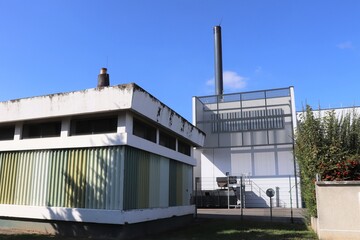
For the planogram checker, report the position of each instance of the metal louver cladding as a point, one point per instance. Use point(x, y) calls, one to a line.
point(136, 179)
point(154, 181)
point(112, 178)
point(74, 178)
point(180, 181)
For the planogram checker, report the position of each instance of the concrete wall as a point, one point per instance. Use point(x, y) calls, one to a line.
point(100, 100)
point(338, 206)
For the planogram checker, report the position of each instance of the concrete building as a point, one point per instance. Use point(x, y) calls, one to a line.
point(249, 136)
point(340, 112)
point(109, 155)
point(249, 145)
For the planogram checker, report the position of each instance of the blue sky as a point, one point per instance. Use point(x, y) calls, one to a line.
point(166, 47)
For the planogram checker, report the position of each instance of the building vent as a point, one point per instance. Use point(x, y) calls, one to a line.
point(103, 78)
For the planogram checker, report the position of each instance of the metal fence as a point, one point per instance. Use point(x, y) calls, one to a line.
point(247, 198)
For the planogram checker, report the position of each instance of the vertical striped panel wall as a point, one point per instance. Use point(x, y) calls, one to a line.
point(180, 180)
point(153, 181)
point(76, 178)
point(93, 178)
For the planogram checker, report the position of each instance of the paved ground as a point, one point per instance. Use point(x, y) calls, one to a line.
point(256, 214)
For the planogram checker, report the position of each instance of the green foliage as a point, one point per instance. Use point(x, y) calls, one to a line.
point(328, 146)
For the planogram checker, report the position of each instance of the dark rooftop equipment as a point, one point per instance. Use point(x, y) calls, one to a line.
point(103, 78)
point(218, 61)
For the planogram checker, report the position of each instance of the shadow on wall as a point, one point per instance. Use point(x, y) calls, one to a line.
point(85, 179)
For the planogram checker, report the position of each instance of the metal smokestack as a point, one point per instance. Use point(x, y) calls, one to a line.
point(218, 62)
point(103, 78)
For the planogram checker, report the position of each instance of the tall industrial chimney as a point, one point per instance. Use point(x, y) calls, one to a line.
point(218, 62)
point(103, 78)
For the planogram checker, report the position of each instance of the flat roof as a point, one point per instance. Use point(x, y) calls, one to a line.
point(129, 97)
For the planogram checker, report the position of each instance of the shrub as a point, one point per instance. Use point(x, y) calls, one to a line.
point(328, 146)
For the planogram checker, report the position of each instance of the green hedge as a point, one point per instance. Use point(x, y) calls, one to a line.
point(329, 146)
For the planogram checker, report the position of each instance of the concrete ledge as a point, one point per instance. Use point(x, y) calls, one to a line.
point(338, 183)
point(101, 216)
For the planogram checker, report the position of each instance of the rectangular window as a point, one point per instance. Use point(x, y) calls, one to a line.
point(7, 133)
point(167, 140)
point(41, 130)
point(184, 148)
point(143, 130)
point(90, 126)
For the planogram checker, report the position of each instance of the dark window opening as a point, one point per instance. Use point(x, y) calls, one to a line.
point(144, 130)
point(167, 140)
point(184, 148)
point(7, 133)
point(94, 126)
point(42, 130)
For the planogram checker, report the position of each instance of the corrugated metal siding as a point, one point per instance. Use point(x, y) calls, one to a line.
point(164, 182)
point(154, 181)
point(136, 179)
point(172, 183)
point(76, 178)
point(180, 183)
point(56, 195)
point(8, 185)
point(96, 178)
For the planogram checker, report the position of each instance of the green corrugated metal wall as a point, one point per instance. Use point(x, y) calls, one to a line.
point(92, 178)
point(153, 181)
point(180, 180)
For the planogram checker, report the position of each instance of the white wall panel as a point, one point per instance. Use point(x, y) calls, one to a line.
point(247, 138)
point(259, 137)
point(215, 163)
point(207, 169)
point(283, 183)
point(241, 164)
point(224, 139)
point(286, 163)
point(222, 161)
point(236, 138)
point(264, 163)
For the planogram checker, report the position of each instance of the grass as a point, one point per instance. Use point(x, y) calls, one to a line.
point(235, 229)
point(211, 229)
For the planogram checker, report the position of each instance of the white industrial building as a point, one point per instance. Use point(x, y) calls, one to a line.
point(249, 145)
point(108, 155)
point(250, 137)
point(339, 112)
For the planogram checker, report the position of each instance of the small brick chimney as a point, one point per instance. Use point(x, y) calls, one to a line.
point(103, 78)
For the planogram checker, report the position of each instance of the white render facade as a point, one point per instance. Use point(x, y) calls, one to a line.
point(111, 155)
point(250, 136)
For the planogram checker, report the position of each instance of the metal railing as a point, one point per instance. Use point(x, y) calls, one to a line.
point(245, 191)
point(247, 196)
